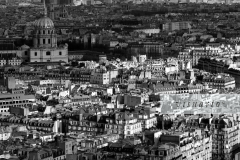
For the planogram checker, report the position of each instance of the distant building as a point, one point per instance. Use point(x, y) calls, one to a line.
point(152, 50)
point(59, 2)
point(5, 133)
point(100, 77)
point(223, 127)
point(11, 82)
point(14, 100)
point(142, 58)
point(21, 111)
point(172, 26)
point(58, 12)
point(220, 81)
point(43, 153)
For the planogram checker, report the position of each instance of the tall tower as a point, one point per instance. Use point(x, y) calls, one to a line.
point(64, 13)
point(52, 11)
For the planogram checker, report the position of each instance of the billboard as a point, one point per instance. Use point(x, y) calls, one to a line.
point(200, 103)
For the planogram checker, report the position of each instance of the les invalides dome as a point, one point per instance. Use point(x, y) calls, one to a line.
point(44, 22)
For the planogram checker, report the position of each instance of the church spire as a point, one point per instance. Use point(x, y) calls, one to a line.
point(45, 8)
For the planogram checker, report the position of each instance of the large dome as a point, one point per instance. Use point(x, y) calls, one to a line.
point(44, 23)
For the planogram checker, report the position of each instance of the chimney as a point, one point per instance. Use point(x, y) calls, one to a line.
point(162, 122)
point(98, 117)
point(80, 117)
point(143, 137)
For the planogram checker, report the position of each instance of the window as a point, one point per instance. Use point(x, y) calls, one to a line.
point(49, 41)
point(48, 53)
point(25, 53)
point(60, 53)
point(43, 32)
point(43, 41)
point(35, 53)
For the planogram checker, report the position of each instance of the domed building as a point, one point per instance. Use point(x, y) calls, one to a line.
point(45, 42)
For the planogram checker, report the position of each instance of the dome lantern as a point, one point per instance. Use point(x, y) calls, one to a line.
point(44, 22)
point(45, 9)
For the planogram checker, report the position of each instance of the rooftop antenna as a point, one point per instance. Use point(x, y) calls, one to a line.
point(45, 8)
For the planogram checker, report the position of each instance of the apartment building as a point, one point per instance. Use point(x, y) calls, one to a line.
point(214, 65)
point(195, 53)
point(133, 100)
point(5, 133)
point(99, 142)
point(100, 76)
point(126, 124)
point(81, 75)
point(173, 88)
point(163, 151)
point(48, 82)
point(14, 61)
point(14, 100)
point(146, 115)
point(81, 100)
point(3, 62)
point(225, 135)
point(21, 111)
point(152, 50)
point(82, 123)
point(43, 154)
point(220, 81)
point(173, 26)
point(193, 145)
point(45, 125)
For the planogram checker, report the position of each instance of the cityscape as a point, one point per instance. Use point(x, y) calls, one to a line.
point(119, 80)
